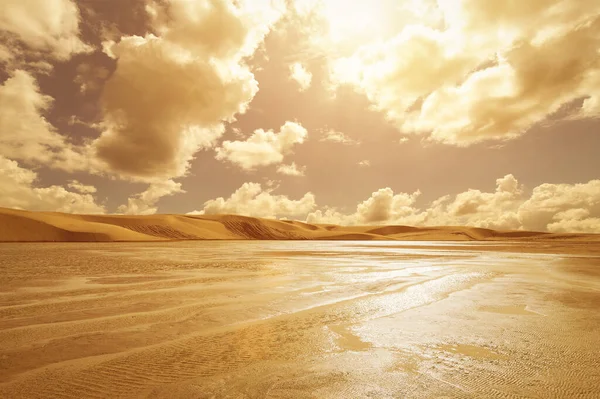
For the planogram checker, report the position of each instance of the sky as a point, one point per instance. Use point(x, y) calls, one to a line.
point(433, 112)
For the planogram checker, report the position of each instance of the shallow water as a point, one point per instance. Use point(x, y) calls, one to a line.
point(277, 319)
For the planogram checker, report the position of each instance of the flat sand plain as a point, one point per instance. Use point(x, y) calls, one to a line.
point(300, 319)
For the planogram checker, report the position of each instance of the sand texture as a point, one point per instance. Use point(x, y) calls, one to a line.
point(283, 319)
point(26, 226)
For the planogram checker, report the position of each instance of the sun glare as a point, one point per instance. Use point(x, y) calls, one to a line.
point(349, 20)
point(353, 22)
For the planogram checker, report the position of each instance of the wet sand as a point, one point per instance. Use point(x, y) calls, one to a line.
point(280, 319)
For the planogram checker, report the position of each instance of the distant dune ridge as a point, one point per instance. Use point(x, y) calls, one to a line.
point(27, 226)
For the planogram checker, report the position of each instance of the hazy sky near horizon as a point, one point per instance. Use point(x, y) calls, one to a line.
point(433, 112)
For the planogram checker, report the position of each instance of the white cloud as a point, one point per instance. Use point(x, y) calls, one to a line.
point(334, 136)
point(490, 71)
point(26, 134)
point(365, 163)
point(82, 188)
point(396, 73)
point(18, 188)
point(252, 200)
point(496, 210)
point(329, 215)
point(171, 93)
point(574, 221)
point(550, 207)
point(300, 75)
point(382, 207)
point(47, 26)
point(291, 169)
point(263, 148)
point(561, 206)
point(144, 203)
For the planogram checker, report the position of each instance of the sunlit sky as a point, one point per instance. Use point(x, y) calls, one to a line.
point(434, 112)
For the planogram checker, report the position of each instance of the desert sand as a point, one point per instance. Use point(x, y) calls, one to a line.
point(296, 319)
point(177, 306)
point(26, 226)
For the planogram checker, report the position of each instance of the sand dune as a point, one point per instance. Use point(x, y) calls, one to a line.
point(27, 226)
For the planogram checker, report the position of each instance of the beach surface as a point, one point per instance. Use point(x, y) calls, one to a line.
point(300, 319)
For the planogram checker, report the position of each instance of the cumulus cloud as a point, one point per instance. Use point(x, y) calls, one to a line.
point(252, 200)
point(550, 207)
point(496, 210)
point(574, 221)
point(171, 92)
point(382, 207)
point(329, 215)
point(563, 207)
point(529, 82)
point(300, 75)
point(26, 134)
point(18, 188)
point(145, 202)
point(50, 27)
point(263, 147)
point(334, 136)
point(82, 188)
point(365, 163)
point(488, 72)
point(291, 169)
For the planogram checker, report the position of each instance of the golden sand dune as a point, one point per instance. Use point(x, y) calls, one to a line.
point(26, 226)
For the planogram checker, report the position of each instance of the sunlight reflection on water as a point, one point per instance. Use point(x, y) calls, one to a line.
point(271, 312)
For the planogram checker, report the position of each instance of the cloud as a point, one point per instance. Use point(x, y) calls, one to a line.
point(50, 27)
point(496, 210)
point(5, 54)
point(300, 75)
point(396, 73)
point(563, 207)
point(263, 148)
point(365, 163)
point(550, 207)
point(291, 169)
point(80, 187)
point(252, 200)
point(26, 134)
point(329, 215)
point(488, 72)
point(529, 82)
point(334, 136)
point(171, 92)
point(18, 188)
point(90, 77)
point(144, 203)
point(382, 207)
